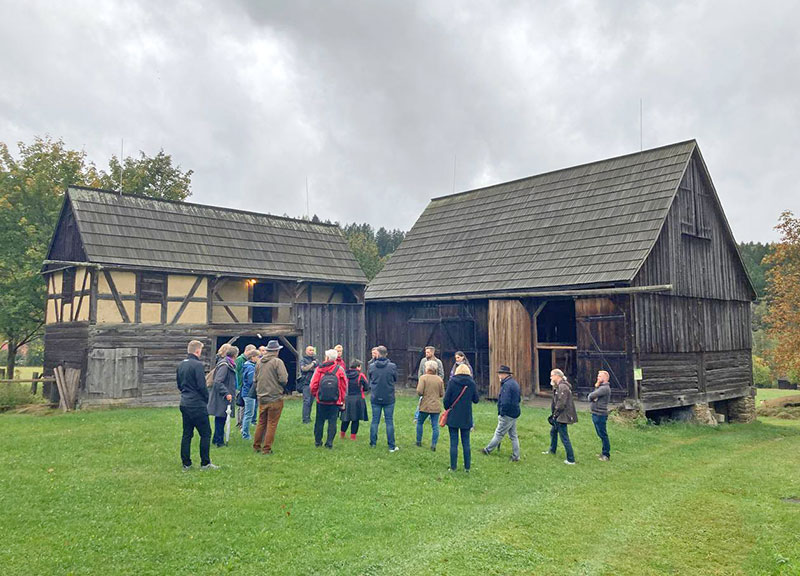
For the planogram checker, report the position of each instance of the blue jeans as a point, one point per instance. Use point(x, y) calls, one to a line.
point(560, 429)
point(434, 426)
point(464, 445)
point(600, 421)
point(247, 419)
point(308, 400)
point(388, 411)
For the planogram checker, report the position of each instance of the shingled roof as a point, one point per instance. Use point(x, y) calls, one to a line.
point(592, 224)
point(145, 233)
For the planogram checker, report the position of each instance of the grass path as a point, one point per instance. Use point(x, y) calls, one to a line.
point(102, 492)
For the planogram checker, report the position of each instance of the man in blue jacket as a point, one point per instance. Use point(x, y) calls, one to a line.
point(507, 413)
point(194, 406)
point(382, 377)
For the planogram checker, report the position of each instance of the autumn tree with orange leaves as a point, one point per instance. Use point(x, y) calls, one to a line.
point(783, 281)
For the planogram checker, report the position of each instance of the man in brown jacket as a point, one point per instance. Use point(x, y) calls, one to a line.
point(431, 391)
point(563, 414)
point(271, 379)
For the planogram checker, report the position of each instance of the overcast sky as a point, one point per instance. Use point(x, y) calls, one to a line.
point(372, 102)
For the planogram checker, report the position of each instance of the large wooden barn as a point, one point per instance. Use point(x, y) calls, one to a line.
point(626, 264)
point(131, 280)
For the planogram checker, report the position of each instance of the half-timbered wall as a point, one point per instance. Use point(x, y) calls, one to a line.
point(75, 304)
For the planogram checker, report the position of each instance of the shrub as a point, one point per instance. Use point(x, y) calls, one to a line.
point(13, 395)
point(762, 375)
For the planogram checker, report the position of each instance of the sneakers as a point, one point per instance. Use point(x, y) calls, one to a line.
point(484, 451)
point(209, 466)
point(433, 448)
point(548, 452)
point(603, 458)
point(514, 459)
point(187, 468)
point(568, 462)
point(419, 443)
point(395, 449)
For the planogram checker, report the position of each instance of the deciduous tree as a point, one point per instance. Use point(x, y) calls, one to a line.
point(783, 288)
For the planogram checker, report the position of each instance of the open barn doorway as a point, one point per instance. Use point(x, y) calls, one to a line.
point(555, 341)
point(285, 354)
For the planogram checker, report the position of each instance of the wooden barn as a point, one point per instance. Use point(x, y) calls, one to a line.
point(131, 280)
point(626, 264)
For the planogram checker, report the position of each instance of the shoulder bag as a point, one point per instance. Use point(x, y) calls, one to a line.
point(443, 416)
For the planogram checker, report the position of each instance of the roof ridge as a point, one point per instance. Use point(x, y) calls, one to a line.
point(566, 168)
point(208, 206)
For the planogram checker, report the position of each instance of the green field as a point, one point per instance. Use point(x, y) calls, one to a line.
point(103, 493)
point(767, 393)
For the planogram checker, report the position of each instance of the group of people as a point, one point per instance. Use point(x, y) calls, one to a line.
point(256, 381)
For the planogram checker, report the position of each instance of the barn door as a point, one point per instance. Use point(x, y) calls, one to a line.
point(113, 373)
point(509, 343)
point(447, 327)
point(601, 326)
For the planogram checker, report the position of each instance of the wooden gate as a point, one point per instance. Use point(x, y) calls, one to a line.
point(509, 343)
point(113, 373)
point(602, 345)
point(447, 327)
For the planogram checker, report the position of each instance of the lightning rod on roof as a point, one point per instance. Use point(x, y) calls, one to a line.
point(641, 139)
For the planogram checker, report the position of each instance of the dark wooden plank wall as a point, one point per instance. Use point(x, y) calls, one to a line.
point(667, 324)
point(326, 325)
point(602, 327)
point(66, 240)
point(64, 344)
point(402, 328)
point(696, 266)
point(160, 348)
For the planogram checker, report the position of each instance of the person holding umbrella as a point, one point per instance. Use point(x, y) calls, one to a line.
point(221, 395)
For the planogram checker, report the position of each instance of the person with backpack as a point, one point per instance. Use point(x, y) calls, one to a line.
point(329, 387)
point(221, 395)
point(355, 408)
point(382, 377)
point(270, 382)
point(460, 395)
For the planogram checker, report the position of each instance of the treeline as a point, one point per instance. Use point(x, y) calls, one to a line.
point(371, 248)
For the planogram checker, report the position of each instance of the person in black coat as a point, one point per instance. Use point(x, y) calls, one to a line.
point(382, 378)
point(194, 400)
point(459, 419)
point(507, 413)
point(355, 407)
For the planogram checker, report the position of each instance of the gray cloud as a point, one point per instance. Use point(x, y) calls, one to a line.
point(372, 101)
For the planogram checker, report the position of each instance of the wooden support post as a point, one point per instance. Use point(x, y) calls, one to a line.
point(535, 340)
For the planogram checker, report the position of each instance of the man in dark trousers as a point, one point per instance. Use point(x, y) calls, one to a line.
point(563, 415)
point(308, 363)
point(329, 387)
point(507, 413)
point(599, 405)
point(194, 407)
point(382, 377)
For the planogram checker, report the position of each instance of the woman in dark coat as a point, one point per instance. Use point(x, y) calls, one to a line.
point(459, 419)
point(222, 393)
point(355, 408)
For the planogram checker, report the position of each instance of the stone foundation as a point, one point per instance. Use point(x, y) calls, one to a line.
point(704, 414)
point(742, 409)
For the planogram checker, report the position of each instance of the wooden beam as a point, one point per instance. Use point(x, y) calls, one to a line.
point(186, 300)
point(289, 346)
point(83, 291)
point(253, 304)
point(120, 306)
point(93, 298)
point(137, 300)
point(228, 310)
point(542, 294)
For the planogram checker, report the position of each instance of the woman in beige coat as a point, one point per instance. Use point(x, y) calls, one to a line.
point(431, 390)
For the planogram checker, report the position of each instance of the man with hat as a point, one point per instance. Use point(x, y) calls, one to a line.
point(271, 379)
point(507, 413)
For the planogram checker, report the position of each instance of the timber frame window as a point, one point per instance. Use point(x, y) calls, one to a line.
point(68, 283)
point(152, 287)
point(693, 213)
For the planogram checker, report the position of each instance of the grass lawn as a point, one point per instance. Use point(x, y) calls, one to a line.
point(103, 493)
point(767, 393)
